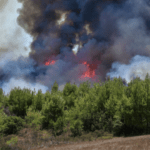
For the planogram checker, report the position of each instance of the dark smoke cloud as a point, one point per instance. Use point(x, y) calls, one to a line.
point(118, 30)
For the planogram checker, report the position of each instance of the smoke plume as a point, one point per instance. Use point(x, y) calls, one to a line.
point(111, 37)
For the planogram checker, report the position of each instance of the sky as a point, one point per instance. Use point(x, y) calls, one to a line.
point(112, 37)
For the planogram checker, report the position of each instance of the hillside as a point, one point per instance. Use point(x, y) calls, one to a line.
point(81, 113)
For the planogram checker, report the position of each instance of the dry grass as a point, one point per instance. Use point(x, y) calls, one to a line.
point(129, 143)
point(31, 139)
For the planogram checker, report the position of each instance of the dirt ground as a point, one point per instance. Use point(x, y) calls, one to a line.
point(119, 143)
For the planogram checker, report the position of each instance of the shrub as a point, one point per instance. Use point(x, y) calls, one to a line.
point(33, 117)
point(76, 127)
point(12, 141)
point(11, 125)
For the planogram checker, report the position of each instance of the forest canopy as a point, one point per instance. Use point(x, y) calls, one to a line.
point(110, 106)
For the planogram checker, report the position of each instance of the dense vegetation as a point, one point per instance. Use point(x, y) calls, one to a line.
point(111, 106)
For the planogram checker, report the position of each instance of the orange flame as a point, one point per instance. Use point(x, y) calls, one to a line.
point(49, 62)
point(90, 73)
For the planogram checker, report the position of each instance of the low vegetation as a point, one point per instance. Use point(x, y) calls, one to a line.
point(79, 113)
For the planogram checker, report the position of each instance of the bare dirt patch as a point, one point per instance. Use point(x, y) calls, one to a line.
point(119, 143)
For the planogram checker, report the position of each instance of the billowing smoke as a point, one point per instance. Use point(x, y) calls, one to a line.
point(111, 37)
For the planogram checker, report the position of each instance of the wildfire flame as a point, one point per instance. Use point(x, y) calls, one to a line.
point(49, 62)
point(90, 73)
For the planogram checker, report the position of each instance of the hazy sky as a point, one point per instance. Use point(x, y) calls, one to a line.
point(14, 42)
point(13, 38)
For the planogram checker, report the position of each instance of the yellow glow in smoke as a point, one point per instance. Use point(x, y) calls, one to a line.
point(77, 46)
point(87, 29)
point(75, 49)
point(62, 19)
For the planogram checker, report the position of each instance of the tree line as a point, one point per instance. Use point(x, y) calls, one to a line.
point(111, 107)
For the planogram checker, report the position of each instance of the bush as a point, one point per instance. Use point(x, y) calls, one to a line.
point(11, 125)
point(76, 127)
point(12, 141)
point(33, 117)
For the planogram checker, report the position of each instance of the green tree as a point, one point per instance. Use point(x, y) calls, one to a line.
point(3, 98)
point(111, 106)
point(34, 118)
point(137, 99)
point(91, 114)
point(147, 101)
point(74, 117)
point(53, 112)
point(84, 88)
point(54, 88)
point(38, 101)
point(101, 119)
point(47, 96)
point(101, 97)
point(134, 112)
point(28, 96)
point(110, 95)
point(70, 93)
point(1, 95)
point(17, 103)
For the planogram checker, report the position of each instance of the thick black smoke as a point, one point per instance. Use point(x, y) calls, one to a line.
point(108, 31)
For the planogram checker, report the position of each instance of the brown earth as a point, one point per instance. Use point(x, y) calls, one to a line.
point(30, 139)
point(128, 143)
